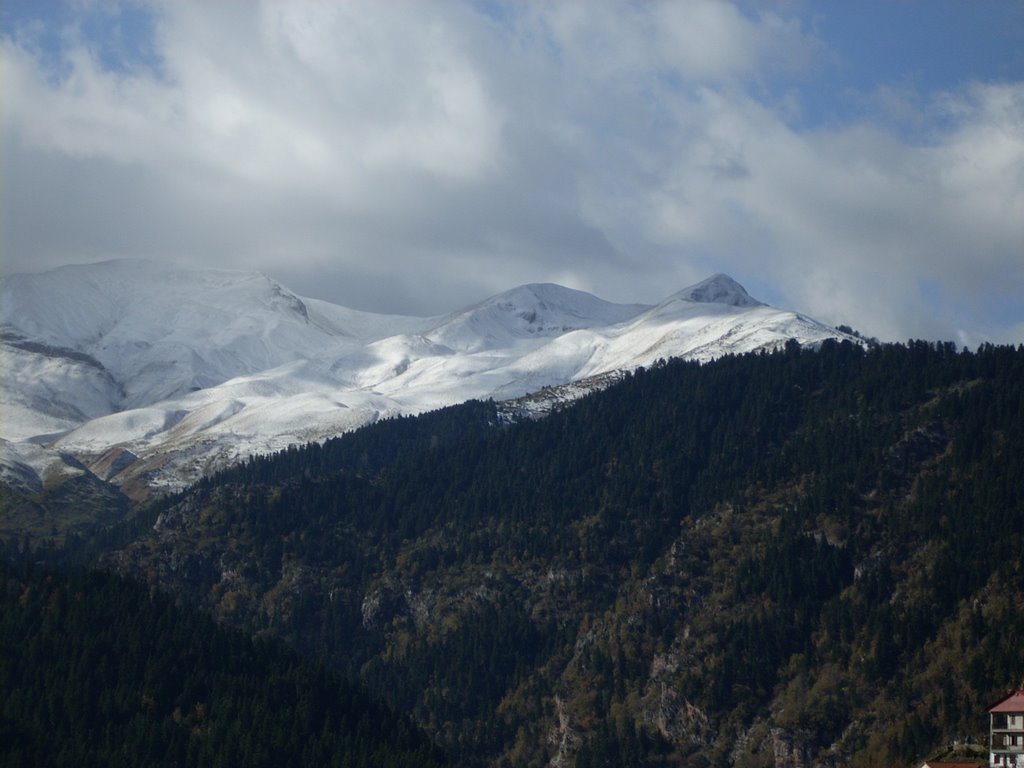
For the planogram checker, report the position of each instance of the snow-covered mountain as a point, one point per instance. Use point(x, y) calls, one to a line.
point(153, 375)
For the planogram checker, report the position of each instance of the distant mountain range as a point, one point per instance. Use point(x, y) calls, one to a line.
point(150, 376)
point(809, 557)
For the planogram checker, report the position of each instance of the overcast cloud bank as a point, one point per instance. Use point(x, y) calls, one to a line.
point(415, 157)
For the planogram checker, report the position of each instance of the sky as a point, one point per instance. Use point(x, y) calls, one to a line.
point(860, 162)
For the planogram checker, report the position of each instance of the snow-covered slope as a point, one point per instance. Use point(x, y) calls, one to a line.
point(157, 375)
point(161, 331)
point(529, 312)
point(26, 467)
point(47, 390)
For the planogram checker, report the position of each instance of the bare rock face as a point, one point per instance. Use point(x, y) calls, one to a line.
point(563, 738)
point(679, 720)
point(670, 713)
point(791, 749)
point(381, 604)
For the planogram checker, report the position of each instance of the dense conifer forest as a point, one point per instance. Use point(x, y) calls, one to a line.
point(800, 556)
point(99, 671)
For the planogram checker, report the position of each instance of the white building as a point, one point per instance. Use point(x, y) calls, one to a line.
point(1006, 732)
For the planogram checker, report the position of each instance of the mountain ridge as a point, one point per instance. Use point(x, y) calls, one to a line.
point(719, 289)
point(201, 368)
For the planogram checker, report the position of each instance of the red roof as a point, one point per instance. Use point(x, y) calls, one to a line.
point(1012, 703)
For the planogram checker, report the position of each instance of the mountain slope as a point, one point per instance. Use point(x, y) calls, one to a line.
point(49, 390)
point(45, 494)
point(189, 371)
point(795, 558)
point(97, 671)
point(538, 311)
point(163, 331)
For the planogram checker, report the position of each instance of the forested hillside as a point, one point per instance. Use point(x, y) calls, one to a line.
point(98, 671)
point(807, 557)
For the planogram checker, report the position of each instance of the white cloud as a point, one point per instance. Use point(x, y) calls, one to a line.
point(855, 219)
point(432, 153)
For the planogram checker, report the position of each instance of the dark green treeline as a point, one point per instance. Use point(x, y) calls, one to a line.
point(99, 671)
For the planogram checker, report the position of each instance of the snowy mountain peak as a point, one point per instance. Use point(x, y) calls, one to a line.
point(544, 293)
point(538, 301)
point(87, 304)
point(160, 330)
point(719, 289)
point(151, 374)
point(535, 310)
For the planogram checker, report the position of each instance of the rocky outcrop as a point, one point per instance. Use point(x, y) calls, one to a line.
point(563, 737)
point(791, 748)
point(668, 711)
